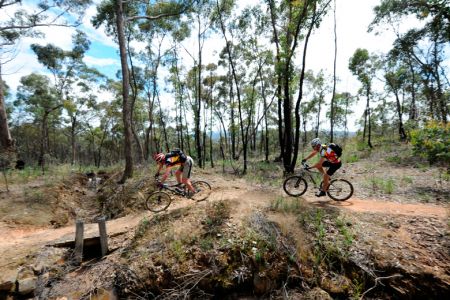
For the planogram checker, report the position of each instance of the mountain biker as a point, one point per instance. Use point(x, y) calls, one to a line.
point(174, 158)
point(328, 159)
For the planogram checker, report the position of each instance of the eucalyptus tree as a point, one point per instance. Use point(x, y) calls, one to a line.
point(210, 82)
point(396, 77)
point(319, 88)
point(80, 103)
point(18, 22)
point(202, 20)
point(364, 66)
point(66, 67)
point(118, 16)
point(181, 94)
point(332, 103)
point(292, 21)
point(341, 110)
point(39, 99)
point(422, 46)
point(246, 59)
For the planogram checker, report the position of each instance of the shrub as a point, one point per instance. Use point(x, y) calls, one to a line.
point(432, 142)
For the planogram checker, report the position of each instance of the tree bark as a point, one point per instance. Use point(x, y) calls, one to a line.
point(279, 80)
point(126, 105)
point(6, 142)
point(198, 106)
point(334, 78)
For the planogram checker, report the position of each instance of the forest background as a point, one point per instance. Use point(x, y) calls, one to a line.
point(253, 96)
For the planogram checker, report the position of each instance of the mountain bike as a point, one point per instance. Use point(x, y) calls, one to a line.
point(296, 185)
point(160, 199)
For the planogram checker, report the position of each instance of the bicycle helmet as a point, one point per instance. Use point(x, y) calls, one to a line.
point(315, 142)
point(159, 157)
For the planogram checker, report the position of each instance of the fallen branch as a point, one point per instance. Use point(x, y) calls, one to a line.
point(378, 279)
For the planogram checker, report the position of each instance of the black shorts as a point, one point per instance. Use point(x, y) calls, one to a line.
point(332, 168)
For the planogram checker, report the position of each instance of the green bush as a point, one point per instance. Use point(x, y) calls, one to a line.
point(432, 142)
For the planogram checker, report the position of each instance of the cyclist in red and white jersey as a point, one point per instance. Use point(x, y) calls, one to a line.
point(328, 159)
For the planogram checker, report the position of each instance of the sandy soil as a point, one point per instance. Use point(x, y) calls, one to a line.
point(19, 241)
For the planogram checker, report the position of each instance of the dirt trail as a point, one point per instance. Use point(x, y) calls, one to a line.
point(17, 243)
point(384, 207)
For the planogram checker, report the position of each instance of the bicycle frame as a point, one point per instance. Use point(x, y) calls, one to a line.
point(172, 189)
point(307, 173)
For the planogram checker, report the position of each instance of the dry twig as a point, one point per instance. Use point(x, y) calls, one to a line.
point(377, 280)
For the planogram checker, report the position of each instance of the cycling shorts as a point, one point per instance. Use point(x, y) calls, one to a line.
point(186, 167)
point(332, 168)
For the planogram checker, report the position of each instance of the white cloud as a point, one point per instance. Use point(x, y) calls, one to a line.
point(101, 62)
point(94, 34)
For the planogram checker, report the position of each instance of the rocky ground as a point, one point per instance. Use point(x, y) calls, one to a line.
point(248, 239)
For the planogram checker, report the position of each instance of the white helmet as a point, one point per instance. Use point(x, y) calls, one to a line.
point(315, 142)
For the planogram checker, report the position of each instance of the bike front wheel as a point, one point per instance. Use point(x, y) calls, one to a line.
point(295, 186)
point(339, 189)
point(158, 201)
point(202, 190)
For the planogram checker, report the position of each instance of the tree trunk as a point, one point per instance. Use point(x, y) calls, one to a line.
point(211, 133)
point(300, 93)
point(72, 139)
point(163, 125)
point(44, 141)
point(440, 95)
point(232, 116)
point(334, 78)
point(230, 60)
point(413, 108)
point(279, 80)
point(369, 133)
point(197, 112)
point(126, 105)
point(6, 142)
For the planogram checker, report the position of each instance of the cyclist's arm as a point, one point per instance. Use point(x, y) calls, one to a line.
point(318, 165)
point(166, 174)
point(314, 152)
point(160, 166)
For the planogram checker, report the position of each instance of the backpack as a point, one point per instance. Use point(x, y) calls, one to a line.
point(178, 152)
point(336, 148)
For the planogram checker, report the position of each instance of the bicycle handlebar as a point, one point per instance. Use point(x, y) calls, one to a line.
point(306, 166)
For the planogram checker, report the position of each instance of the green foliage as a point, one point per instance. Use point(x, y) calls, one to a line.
point(407, 180)
point(352, 158)
point(432, 142)
point(281, 204)
point(387, 186)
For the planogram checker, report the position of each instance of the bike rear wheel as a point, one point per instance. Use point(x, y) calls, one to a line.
point(295, 186)
point(339, 189)
point(158, 201)
point(202, 190)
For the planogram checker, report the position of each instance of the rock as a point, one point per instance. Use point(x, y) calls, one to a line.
point(317, 294)
point(26, 286)
point(336, 285)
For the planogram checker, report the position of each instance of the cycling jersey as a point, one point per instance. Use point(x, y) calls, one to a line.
point(329, 154)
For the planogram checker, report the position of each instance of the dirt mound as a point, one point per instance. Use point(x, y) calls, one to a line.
point(29, 203)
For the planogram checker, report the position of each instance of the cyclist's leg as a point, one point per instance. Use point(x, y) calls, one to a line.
point(178, 174)
point(321, 192)
point(332, 168)
point(187, 173)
